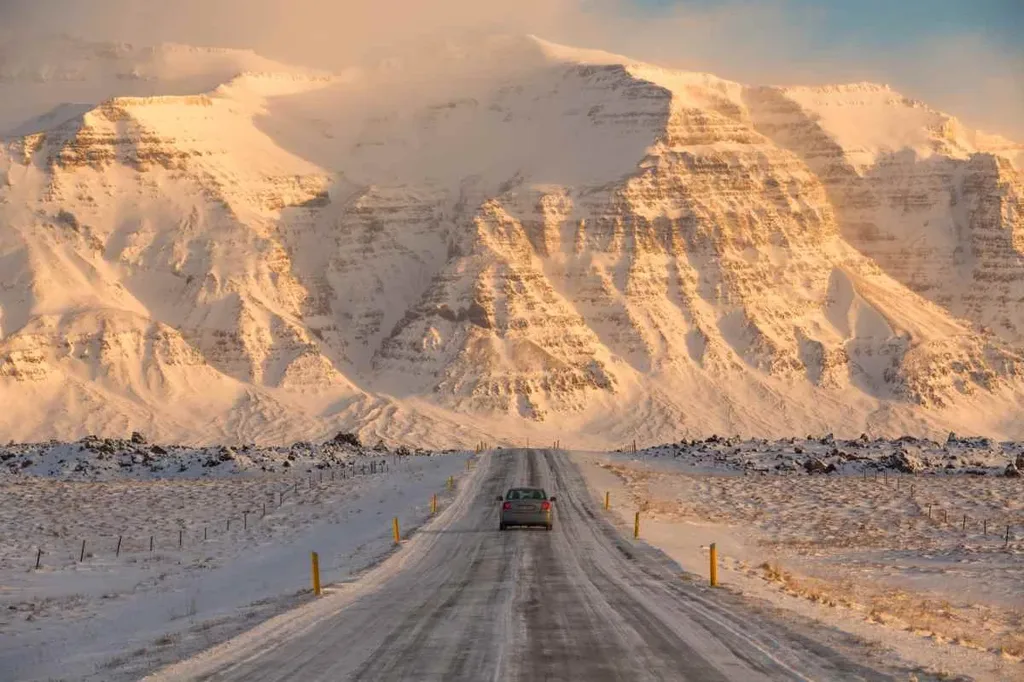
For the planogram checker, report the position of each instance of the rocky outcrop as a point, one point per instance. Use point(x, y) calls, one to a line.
point(904, 462)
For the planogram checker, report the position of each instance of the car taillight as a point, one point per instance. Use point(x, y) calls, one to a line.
point(545, 506)
point(507, 505)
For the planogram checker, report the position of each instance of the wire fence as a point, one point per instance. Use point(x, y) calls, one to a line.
point(264, 501)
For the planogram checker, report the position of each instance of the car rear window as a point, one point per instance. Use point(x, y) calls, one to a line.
point(526, 494)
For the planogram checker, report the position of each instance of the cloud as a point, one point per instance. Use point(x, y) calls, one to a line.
point(316, 32)
point(756, 41)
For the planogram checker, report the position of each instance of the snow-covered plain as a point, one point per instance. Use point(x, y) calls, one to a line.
point(112, 616)
point(917, 563)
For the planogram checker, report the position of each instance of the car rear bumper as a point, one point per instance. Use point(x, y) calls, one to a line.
point(526, 518)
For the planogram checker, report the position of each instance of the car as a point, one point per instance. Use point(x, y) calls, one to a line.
point(526, 507)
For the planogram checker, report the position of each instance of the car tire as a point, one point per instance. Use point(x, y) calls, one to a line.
point(501, 526)
point(550, 526)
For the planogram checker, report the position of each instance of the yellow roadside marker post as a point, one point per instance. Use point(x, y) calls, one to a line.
point(433, 505)
point(316, 573)
point(394, 527)
point(714, 565)
point(607, 500)
point(636, 526)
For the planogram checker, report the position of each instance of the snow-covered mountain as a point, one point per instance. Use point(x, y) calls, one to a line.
point(494, 240)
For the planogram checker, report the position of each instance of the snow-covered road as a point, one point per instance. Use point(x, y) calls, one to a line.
point(464, 601)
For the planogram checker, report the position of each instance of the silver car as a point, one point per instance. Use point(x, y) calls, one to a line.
point(526, 507)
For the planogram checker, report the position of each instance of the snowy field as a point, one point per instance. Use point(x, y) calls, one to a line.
point(230, 544)
point(920, 563)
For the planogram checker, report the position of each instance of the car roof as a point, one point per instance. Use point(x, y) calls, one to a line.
point(527, 490)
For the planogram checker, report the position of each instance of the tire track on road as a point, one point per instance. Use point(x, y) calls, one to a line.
point(466, 602)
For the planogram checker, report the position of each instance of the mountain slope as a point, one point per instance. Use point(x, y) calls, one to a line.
point(547, 241)
point(937, 206)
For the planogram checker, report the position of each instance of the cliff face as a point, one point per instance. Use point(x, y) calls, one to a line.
point(937, 206)
point(582, 242)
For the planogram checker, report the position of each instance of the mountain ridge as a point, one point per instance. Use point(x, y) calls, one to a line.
point(577, 241)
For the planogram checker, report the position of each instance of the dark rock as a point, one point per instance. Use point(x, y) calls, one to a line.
point(816, 466)
point(157, 450)
point(905, 462)
point(348, 439)
point(138, 438)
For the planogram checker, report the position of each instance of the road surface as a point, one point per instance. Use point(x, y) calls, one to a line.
point(464, 601)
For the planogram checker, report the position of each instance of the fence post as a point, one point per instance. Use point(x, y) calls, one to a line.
point(394, 528)
point(180, 533)
point(39, 556)
point(316, 573)
point(264, 509)
point(636, 525)
point(150, 543)
point(204, 533)
point(714, 565)
point(118, 551)
point(81, 556)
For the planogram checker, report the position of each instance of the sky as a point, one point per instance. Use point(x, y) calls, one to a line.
point(885, 24)
point(962, 56)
